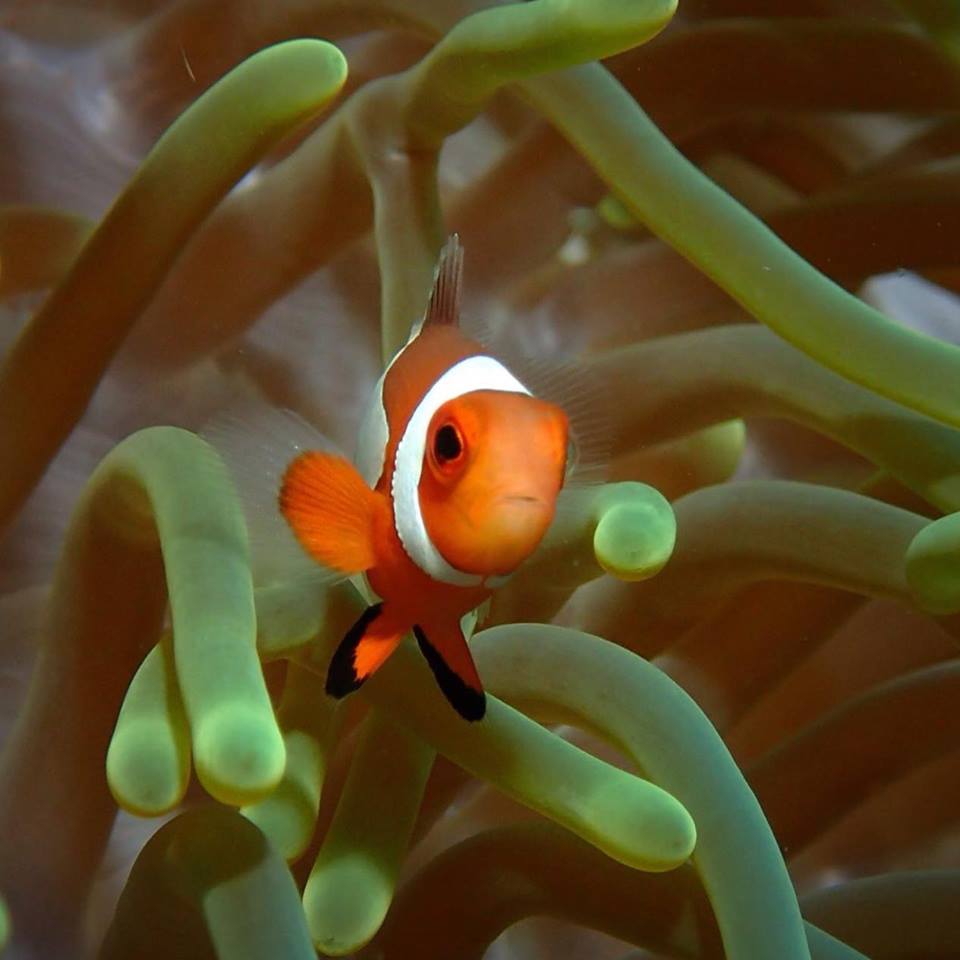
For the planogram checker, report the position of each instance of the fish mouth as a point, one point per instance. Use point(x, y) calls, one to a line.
point(503, 536)
point(523, 500)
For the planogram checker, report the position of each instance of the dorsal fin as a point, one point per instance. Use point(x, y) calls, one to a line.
point(444, 305)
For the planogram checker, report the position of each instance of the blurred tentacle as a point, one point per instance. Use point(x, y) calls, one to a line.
point(881, 641)
point(534, 181)
point(37, 247)
point(407, 223)
point(940, 21)
point(911, 216)
point(789, 8)
point(291, 614)
point(794, 150)
point(894, 916)
point(912, 219)
point(675, 467)
point(445, 783)
point(192, 31)
point(712, 71)
point(444, 92)
point(875, 739)
point(938, 140)
point(908, 825)
point(729, 660)
point(49, 375)
point(594, 306)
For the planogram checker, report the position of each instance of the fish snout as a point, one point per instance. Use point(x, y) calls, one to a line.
point(514, 529)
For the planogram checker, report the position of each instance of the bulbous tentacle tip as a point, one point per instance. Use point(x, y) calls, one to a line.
point(345, 904)
point(632, 23)
point(310, 56)
point(239, 754)
point(932, 566)
point(635, 535)
point(146, 773)
point(646, 827)
point(287, 819)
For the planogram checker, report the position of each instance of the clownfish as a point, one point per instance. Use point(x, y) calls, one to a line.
point(454, 485)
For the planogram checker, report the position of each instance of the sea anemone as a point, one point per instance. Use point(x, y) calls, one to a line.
point(720, 693)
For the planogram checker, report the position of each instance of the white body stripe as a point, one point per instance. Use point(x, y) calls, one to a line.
point(473, 373)
point(371, 451)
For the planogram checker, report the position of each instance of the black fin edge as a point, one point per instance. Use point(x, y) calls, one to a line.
point(342, 673)
point(471, 704)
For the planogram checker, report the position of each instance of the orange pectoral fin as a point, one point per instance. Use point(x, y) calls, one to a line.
point(364, 648)
point(448, 655)
point(331, 511)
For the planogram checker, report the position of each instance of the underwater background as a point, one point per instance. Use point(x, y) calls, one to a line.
point(723, 694)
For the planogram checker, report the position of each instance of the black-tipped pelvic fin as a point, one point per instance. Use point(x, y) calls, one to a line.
point(469, 702)
point(444, 305)
point(342, 677)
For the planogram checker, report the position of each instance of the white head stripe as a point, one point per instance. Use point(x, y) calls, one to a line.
point(467, 376)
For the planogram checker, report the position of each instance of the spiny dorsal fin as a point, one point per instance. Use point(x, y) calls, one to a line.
point(444, 305)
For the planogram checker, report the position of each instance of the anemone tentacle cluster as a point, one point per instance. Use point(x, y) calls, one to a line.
point(722, 695)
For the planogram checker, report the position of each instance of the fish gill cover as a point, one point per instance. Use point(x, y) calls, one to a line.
point(722, 696)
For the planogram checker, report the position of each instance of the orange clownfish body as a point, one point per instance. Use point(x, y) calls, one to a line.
point(457, 476)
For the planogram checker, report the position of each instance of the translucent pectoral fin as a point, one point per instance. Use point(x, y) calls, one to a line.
point(258, 444)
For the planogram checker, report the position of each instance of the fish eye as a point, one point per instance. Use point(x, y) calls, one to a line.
point(447, 444)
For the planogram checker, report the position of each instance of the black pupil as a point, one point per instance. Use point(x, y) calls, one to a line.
point(446, 444)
